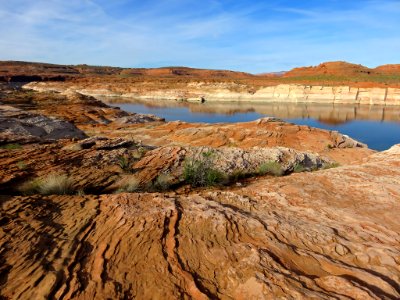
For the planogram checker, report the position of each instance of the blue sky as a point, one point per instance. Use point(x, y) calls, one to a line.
point(252, 36)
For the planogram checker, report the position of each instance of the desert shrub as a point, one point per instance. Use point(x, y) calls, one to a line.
point(298, 168)
point(30, 187)
point(11, 146)
point(22, 165)
point(200, 172)
point(53, 184)
point(124, 163)
point(139, 153)
point(163, 182)
point(128, 184)
point(270, 167)
point(73, 147)
point(81, 192)
point(238, 175)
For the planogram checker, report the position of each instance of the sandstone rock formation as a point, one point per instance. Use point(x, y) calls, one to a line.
point(332, 82)
point(235, 92)
point(313, 233)
point(337, 68)
point(262, 133)
point(275, 238)
point(98, 165)
point(72, 107)
point(17, 125)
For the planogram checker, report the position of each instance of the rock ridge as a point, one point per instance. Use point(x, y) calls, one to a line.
point(196, 91)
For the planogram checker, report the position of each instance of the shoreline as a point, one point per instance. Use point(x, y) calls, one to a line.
point(221, 92)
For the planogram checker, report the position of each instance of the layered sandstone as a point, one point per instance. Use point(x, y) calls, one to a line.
point(319, 235)
point(200, 91)
point(68, 106)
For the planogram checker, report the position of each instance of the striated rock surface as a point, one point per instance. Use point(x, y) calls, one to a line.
point(262, 133)
point(170, 161)
point(331, 234)
point(331, 82)
point(222, 91)
point(72, 107)
point(98, 165)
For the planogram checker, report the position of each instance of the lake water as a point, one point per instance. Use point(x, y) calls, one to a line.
point(376, 126)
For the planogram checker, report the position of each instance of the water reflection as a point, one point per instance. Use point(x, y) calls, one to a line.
point(376, 126)
point(325, 113)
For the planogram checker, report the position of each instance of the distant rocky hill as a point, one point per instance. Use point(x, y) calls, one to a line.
point(326, 74)
point(341, 68)
point(389, 69)
point(17, 71)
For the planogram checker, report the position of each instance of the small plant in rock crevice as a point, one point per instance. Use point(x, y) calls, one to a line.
point(298, 168)
point(139, 153)
point(270, 167)
point(11, 147)
point(22, 165)
point(200, 172)
point(128, 184)
point(163, 182)
point(53, 184)
point(124, 163)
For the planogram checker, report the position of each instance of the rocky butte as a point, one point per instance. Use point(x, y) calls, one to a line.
point(99, 203)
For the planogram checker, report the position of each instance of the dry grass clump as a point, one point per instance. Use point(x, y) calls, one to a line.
point(53, 184)
point(73, 147)
point(163, 182)
point(270, 167)
point(128, 184)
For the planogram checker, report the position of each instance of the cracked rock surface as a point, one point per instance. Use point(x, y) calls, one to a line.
point(281, 238)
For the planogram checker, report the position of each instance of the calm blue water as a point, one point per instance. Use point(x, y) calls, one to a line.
point(377, 134)
point(186, 115)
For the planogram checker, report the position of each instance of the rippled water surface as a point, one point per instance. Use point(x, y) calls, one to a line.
point(377, 126)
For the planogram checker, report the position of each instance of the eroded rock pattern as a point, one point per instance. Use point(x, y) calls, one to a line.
point(70, 106)
point(17, 125)
point(337, 238)
point(328, 234)
point(99, 164)
point(229, 91)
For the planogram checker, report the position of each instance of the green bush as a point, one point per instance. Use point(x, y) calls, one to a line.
point(200, 172)
point(298, 168)
point(124, 163)
point(238, 175)
point(271, 168)
point(11, 146)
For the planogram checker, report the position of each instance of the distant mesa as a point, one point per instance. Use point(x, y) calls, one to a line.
point(342, 68)
point(183, 72)
point(338, 72)
point(393, 69)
